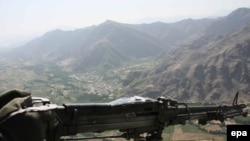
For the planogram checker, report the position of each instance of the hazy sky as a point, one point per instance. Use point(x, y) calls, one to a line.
point(26, 18)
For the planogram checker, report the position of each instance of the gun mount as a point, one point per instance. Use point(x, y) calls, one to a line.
point(132, 117)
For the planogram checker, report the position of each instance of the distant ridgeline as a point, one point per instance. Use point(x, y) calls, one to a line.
point(204, 59)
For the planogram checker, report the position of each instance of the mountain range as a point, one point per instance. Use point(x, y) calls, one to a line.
point(107, 45)
point(212, 65)
point(202, 59)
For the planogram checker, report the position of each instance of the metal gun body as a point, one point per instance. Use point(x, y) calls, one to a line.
point(133, 117)
point(136, 117)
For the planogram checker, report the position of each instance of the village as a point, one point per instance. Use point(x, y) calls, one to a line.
point(95, 84)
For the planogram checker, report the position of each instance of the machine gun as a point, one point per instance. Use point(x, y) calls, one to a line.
point(132, 117)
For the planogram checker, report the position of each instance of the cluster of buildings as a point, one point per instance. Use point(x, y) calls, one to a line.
point(92, 83)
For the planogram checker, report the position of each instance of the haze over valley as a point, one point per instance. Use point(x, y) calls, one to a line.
point(189, 60)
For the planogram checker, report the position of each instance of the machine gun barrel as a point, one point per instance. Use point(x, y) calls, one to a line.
point(133, 116)
point(204, 114)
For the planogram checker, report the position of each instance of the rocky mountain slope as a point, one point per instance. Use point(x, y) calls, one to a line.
point(213, 66)
point(230, 23)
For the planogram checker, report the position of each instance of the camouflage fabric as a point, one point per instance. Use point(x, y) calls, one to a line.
point(16, 124)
